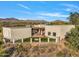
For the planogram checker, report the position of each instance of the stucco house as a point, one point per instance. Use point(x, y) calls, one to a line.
point(57, 32)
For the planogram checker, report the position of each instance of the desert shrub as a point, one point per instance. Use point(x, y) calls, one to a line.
point(4, 54)
point(0, 29)
point(35, 48)
point(64, 53)
point(61, 54)
point(73, 38)
point(9, 51)
point(1, 42)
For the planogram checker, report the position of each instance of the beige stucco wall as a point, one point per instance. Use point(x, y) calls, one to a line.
point(60, 30)
point(65, 29)
point(6, 32)
point(16, 32)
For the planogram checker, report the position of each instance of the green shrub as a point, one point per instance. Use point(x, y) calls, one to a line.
point(52, 40)
point(27, 40)
point(34, 39)
point(18, 41)
point(44, 39)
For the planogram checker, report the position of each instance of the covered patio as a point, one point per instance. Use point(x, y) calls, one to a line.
point(38, 32)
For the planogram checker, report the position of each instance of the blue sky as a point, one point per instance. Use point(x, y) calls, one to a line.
point(40, 10)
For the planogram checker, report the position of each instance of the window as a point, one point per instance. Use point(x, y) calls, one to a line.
point(54, 33)
point(49, 33)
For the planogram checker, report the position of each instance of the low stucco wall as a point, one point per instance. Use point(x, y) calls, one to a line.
point(60, 30)
point(16, 33)
point(6, 33)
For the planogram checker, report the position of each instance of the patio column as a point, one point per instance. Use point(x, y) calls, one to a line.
point(4, 41)
point(41, 32)
point(39, 40)
point(13, 41)
point(30, 40)
point(22, 40)
point(48, 40)
point(56, 40)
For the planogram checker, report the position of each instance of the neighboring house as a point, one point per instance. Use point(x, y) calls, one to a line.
point(57, 32)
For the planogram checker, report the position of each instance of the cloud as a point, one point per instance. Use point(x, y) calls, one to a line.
point(71, 7)
point(68, 9)
point(23, 6)
point(43, 2)
point(42, 17)
point(25, 12)
point(33, 18)
point(53, 14)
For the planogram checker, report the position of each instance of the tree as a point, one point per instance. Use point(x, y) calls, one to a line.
point(58, 22)
point(73, 38)
point(74, 18)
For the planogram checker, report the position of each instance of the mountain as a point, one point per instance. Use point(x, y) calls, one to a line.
point(14, 21)
point(8, 19)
